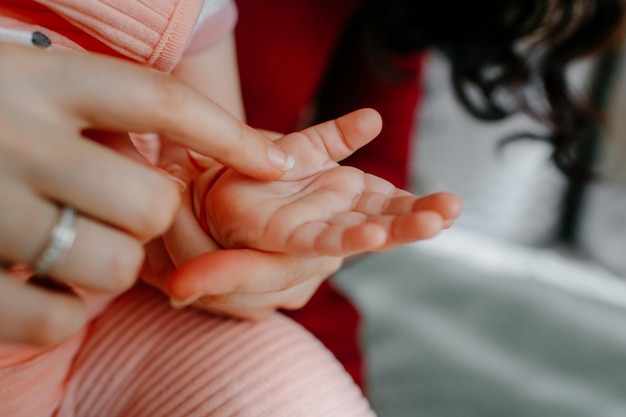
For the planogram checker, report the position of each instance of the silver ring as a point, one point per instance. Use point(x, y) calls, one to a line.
point(61, 241)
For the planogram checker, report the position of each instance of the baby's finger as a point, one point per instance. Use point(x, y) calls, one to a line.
point(408, 228)
point(401, 202)
point(322, 238)
point(258, 306)
point(29, 314)
point(228, 271)
point(341, 137)
point(448, 205)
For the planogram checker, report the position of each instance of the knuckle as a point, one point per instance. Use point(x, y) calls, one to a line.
point(55, 325)
point(28, 227)
point(156, 208)
point(169, 101)
point(123, 266)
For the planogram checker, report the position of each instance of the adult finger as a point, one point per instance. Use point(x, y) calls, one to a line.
point(100, 257)
point(122, 96)
point(29, 314)
point(99, 182)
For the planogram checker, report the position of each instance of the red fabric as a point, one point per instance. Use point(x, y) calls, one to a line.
point(285, 48)
point(285, 51)
point(353, 83)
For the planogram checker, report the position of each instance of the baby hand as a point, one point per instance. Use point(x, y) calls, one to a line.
point(320, 208)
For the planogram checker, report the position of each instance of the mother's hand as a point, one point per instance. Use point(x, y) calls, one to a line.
point(50, 102)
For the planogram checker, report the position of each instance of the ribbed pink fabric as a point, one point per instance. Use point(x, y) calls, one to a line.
point(32, 381)
point(142, 358)
point(152, 32)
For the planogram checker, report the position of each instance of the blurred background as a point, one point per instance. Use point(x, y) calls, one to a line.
point(519, 310)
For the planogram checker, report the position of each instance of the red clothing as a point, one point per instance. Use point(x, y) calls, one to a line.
point(294, 53)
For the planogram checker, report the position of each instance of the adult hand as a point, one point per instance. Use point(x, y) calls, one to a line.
point(50, 102)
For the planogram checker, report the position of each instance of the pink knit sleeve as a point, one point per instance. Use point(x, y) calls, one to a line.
point(151, 32)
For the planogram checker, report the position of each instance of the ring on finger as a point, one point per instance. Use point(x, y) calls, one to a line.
point(61, 240)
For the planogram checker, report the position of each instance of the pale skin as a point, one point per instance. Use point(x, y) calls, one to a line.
point(285, 276)
point(294, 278)
point(319, 210)
point(50, 103)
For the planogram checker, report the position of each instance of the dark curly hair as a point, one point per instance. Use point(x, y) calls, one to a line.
point(517, 49)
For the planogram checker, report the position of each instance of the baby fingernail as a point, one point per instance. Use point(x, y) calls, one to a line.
point(280, 158)
point(179, 304)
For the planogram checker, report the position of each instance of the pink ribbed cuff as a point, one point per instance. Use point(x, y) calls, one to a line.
point(153, 32)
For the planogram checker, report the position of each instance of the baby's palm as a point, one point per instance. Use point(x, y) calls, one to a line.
point(322, 208)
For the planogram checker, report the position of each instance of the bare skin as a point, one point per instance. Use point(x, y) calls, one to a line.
point(321, 208)
point(213, 72)
point(51, 103)
point(318, 209)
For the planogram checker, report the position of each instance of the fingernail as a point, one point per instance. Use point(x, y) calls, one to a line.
point(180, 304)
point(175, 173)
point(280, 158)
